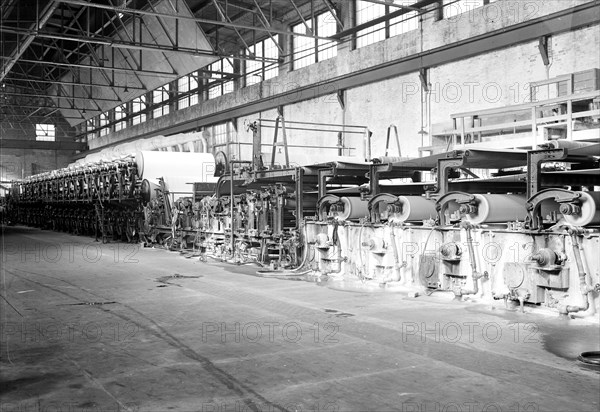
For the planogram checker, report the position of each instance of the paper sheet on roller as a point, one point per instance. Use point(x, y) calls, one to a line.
point(180, 185)
point(197, 167)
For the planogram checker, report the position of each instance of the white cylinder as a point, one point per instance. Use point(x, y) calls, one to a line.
point(413, 209)
point(354, 208)
point(180, 186)
point(497, 208)
point(199, 167)
point(589, 210)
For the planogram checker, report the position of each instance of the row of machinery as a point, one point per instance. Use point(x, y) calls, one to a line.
point(514, 225)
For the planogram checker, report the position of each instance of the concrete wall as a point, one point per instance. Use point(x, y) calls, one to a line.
point(493, 79)
point(20, 163)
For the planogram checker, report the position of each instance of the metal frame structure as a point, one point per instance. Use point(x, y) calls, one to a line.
point(42, 42)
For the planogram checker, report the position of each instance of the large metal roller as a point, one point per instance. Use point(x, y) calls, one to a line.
point(586, 211)
point(495, 208)
point(352, 208)
point(148, 190)
point(200, 167)
point(411, 209)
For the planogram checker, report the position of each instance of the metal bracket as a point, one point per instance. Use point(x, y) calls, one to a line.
point(458, 197)
point(374, 205)
point(535, 158)
point(443, 169)
point(322, 204)
point(534, 203)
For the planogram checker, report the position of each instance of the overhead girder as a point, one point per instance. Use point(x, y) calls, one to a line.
point(107, 41)
point(90, 66)
point(67, 83)
point(24, 45)
point(196, 19)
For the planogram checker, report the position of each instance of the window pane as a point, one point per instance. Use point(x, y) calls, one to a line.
point(455, 7)
point(304, 47)
point(45, 132)
point(365, 12)
point(405, 23)
point(253, 67)
point(183, 84)
point(120, 112)
point(158, 96)
point(218, 87)
point(90, 126)
point(227, 68)
point(104, 124)
point(220, 134)
point(326, 26)
point(138, 105)
point(271, 52)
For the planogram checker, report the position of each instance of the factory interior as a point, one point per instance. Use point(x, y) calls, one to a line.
point(300, 205)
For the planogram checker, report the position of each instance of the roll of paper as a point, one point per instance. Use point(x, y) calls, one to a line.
point(199, 167)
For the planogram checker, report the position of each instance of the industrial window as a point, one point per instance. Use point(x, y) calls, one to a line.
point(90, 128)
point(187, 89)
point(138, 107)
point(216, 85)
point(104, 120)
point(455, 7)
point(259, 69)
point(45, 132)
point(367, 11)
point(307, 50)
point(404, 23)
point(159, 96)
point(120, 113)
point(220, 134)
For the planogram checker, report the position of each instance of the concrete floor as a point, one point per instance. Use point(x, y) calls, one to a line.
point(95, 327)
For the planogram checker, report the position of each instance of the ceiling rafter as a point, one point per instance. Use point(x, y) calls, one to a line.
point(24, 45)
point(106, 41)
point(196, 19)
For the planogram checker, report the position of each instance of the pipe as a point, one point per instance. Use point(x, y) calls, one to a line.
point(583, 286)
point(458, 292)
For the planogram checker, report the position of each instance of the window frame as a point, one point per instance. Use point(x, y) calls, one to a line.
point(221, 84)
point(139, 113)
point(49, 133)
point(386, 26)
point(120, 115)
point(318, 47)
point(266, 69)
point(189, 97)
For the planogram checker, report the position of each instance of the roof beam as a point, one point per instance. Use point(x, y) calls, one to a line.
point(392, 4)
point(106, 41)
point(38, 80)
point(88, 66)
point(21, 47)
point(28, 106)
point(196, 19)
point(41, 145)
point(54, 96)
